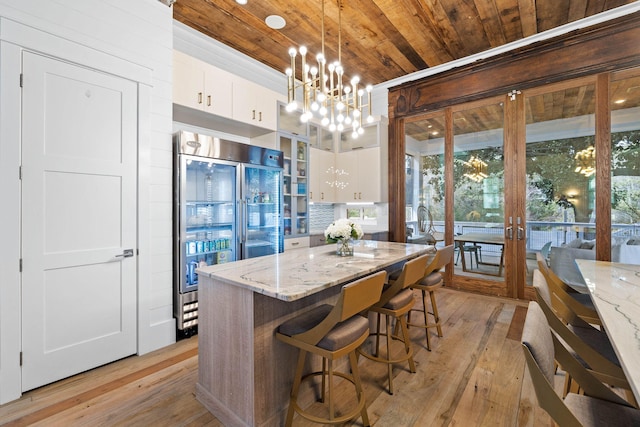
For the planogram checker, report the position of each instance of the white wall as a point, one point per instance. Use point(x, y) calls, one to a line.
point(131, 38)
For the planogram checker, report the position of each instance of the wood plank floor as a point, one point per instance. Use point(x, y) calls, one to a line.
point(474, 376)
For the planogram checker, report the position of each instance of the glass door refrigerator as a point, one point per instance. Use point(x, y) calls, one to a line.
point(227, 206)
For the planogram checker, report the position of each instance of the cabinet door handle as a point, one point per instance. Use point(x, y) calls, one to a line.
point(355, 196)
point(199, 97)
point(311, 194)
point(208, 100)
point(359, 196)
point(254, 114)
point(295, 243)
point(322, 196)
point(260, 114)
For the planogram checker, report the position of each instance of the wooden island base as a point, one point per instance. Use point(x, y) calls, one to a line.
point(245, 374)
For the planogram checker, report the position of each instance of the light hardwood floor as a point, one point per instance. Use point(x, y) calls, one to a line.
point(474, 376)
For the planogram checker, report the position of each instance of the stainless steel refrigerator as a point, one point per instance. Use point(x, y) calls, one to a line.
point(228, 205)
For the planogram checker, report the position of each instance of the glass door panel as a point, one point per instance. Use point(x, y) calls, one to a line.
point(560, 176)
point(478, 193)
point(424, 186)
point(263, 223)
point(625, 168)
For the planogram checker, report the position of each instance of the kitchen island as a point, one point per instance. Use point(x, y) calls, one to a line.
point(244, 373)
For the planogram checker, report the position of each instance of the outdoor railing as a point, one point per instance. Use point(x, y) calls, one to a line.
point(540, 232)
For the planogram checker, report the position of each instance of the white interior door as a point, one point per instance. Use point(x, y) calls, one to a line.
point(79, 139)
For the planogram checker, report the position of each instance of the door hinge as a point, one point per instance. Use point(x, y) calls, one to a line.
point(20, 358)
point(20, 265)
point(21, 79)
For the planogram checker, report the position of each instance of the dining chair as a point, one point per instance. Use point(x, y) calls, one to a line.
point(544, 251)
point(431, 281)
point(581, 304)
point(396, 301)
point(597, 406)
point(589, 345)
point(472, 249)
point(333, 332)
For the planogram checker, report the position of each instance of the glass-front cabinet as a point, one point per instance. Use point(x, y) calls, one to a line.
point(296, 188)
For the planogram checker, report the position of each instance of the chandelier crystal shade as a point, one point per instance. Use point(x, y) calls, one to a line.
point(324, 96)
point(586, 160)
point(476, 169)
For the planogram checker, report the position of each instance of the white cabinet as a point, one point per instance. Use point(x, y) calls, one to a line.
point(255, 104)
point(365, 179)
point(295, 243)
point(322, 167)
point(201, 86)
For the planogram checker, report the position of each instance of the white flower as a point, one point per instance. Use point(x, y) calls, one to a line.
point(343, 229)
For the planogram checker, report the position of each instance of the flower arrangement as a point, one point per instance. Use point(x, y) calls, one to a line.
point(343, 229)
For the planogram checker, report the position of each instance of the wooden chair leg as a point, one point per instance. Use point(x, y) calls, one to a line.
point(407, 344)
point(424, 311)
point(330, 379)
point(296, 387)
point(389, 365)
point(353, 360)
point(436, 316)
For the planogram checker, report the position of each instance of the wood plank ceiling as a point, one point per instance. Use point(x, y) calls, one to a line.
point(380, 39)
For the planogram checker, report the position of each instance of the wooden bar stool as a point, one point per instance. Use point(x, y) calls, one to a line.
point(333, 332)
point(396, 301)
point(431, 281)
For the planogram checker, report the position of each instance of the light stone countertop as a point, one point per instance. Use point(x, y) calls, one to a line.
point(615, 291)
point(297, 273)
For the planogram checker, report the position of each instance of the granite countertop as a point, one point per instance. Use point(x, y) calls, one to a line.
point(297, 273)
point(615, 291)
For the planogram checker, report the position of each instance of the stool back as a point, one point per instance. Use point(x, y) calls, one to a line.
point(412, 272)
point(354, 298)
point(442, 258)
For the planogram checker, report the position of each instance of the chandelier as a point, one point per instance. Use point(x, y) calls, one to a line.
point(477, 169)
point(325, 98)
point(586, 160)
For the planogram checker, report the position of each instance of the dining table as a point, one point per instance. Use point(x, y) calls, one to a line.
point(615, 291)
point(244, 372)
point(486, 238)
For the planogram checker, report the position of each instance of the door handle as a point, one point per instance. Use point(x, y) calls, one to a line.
point(509, 233)
point(520, 233)
point(127, 253)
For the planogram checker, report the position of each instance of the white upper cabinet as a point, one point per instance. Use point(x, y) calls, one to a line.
point(255, 104)
point(322, 166)
point(362, 167)
point(201, 86)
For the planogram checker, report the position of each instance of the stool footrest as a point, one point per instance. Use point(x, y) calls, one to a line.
point(338, 420)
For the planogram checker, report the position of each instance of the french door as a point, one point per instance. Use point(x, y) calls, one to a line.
point(513, 176)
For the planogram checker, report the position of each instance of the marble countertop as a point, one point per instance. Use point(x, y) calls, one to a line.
point(615, 290)
point(297, 273)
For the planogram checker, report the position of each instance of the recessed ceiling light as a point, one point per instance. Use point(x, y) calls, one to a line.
point(275, 21)
point(241, 1)
point(620, 101)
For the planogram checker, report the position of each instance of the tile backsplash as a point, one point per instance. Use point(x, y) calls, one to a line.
point(320, 216)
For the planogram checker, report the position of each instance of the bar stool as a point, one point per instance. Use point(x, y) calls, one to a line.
point(333, 332)
point(396, 301)
point(429, 283)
